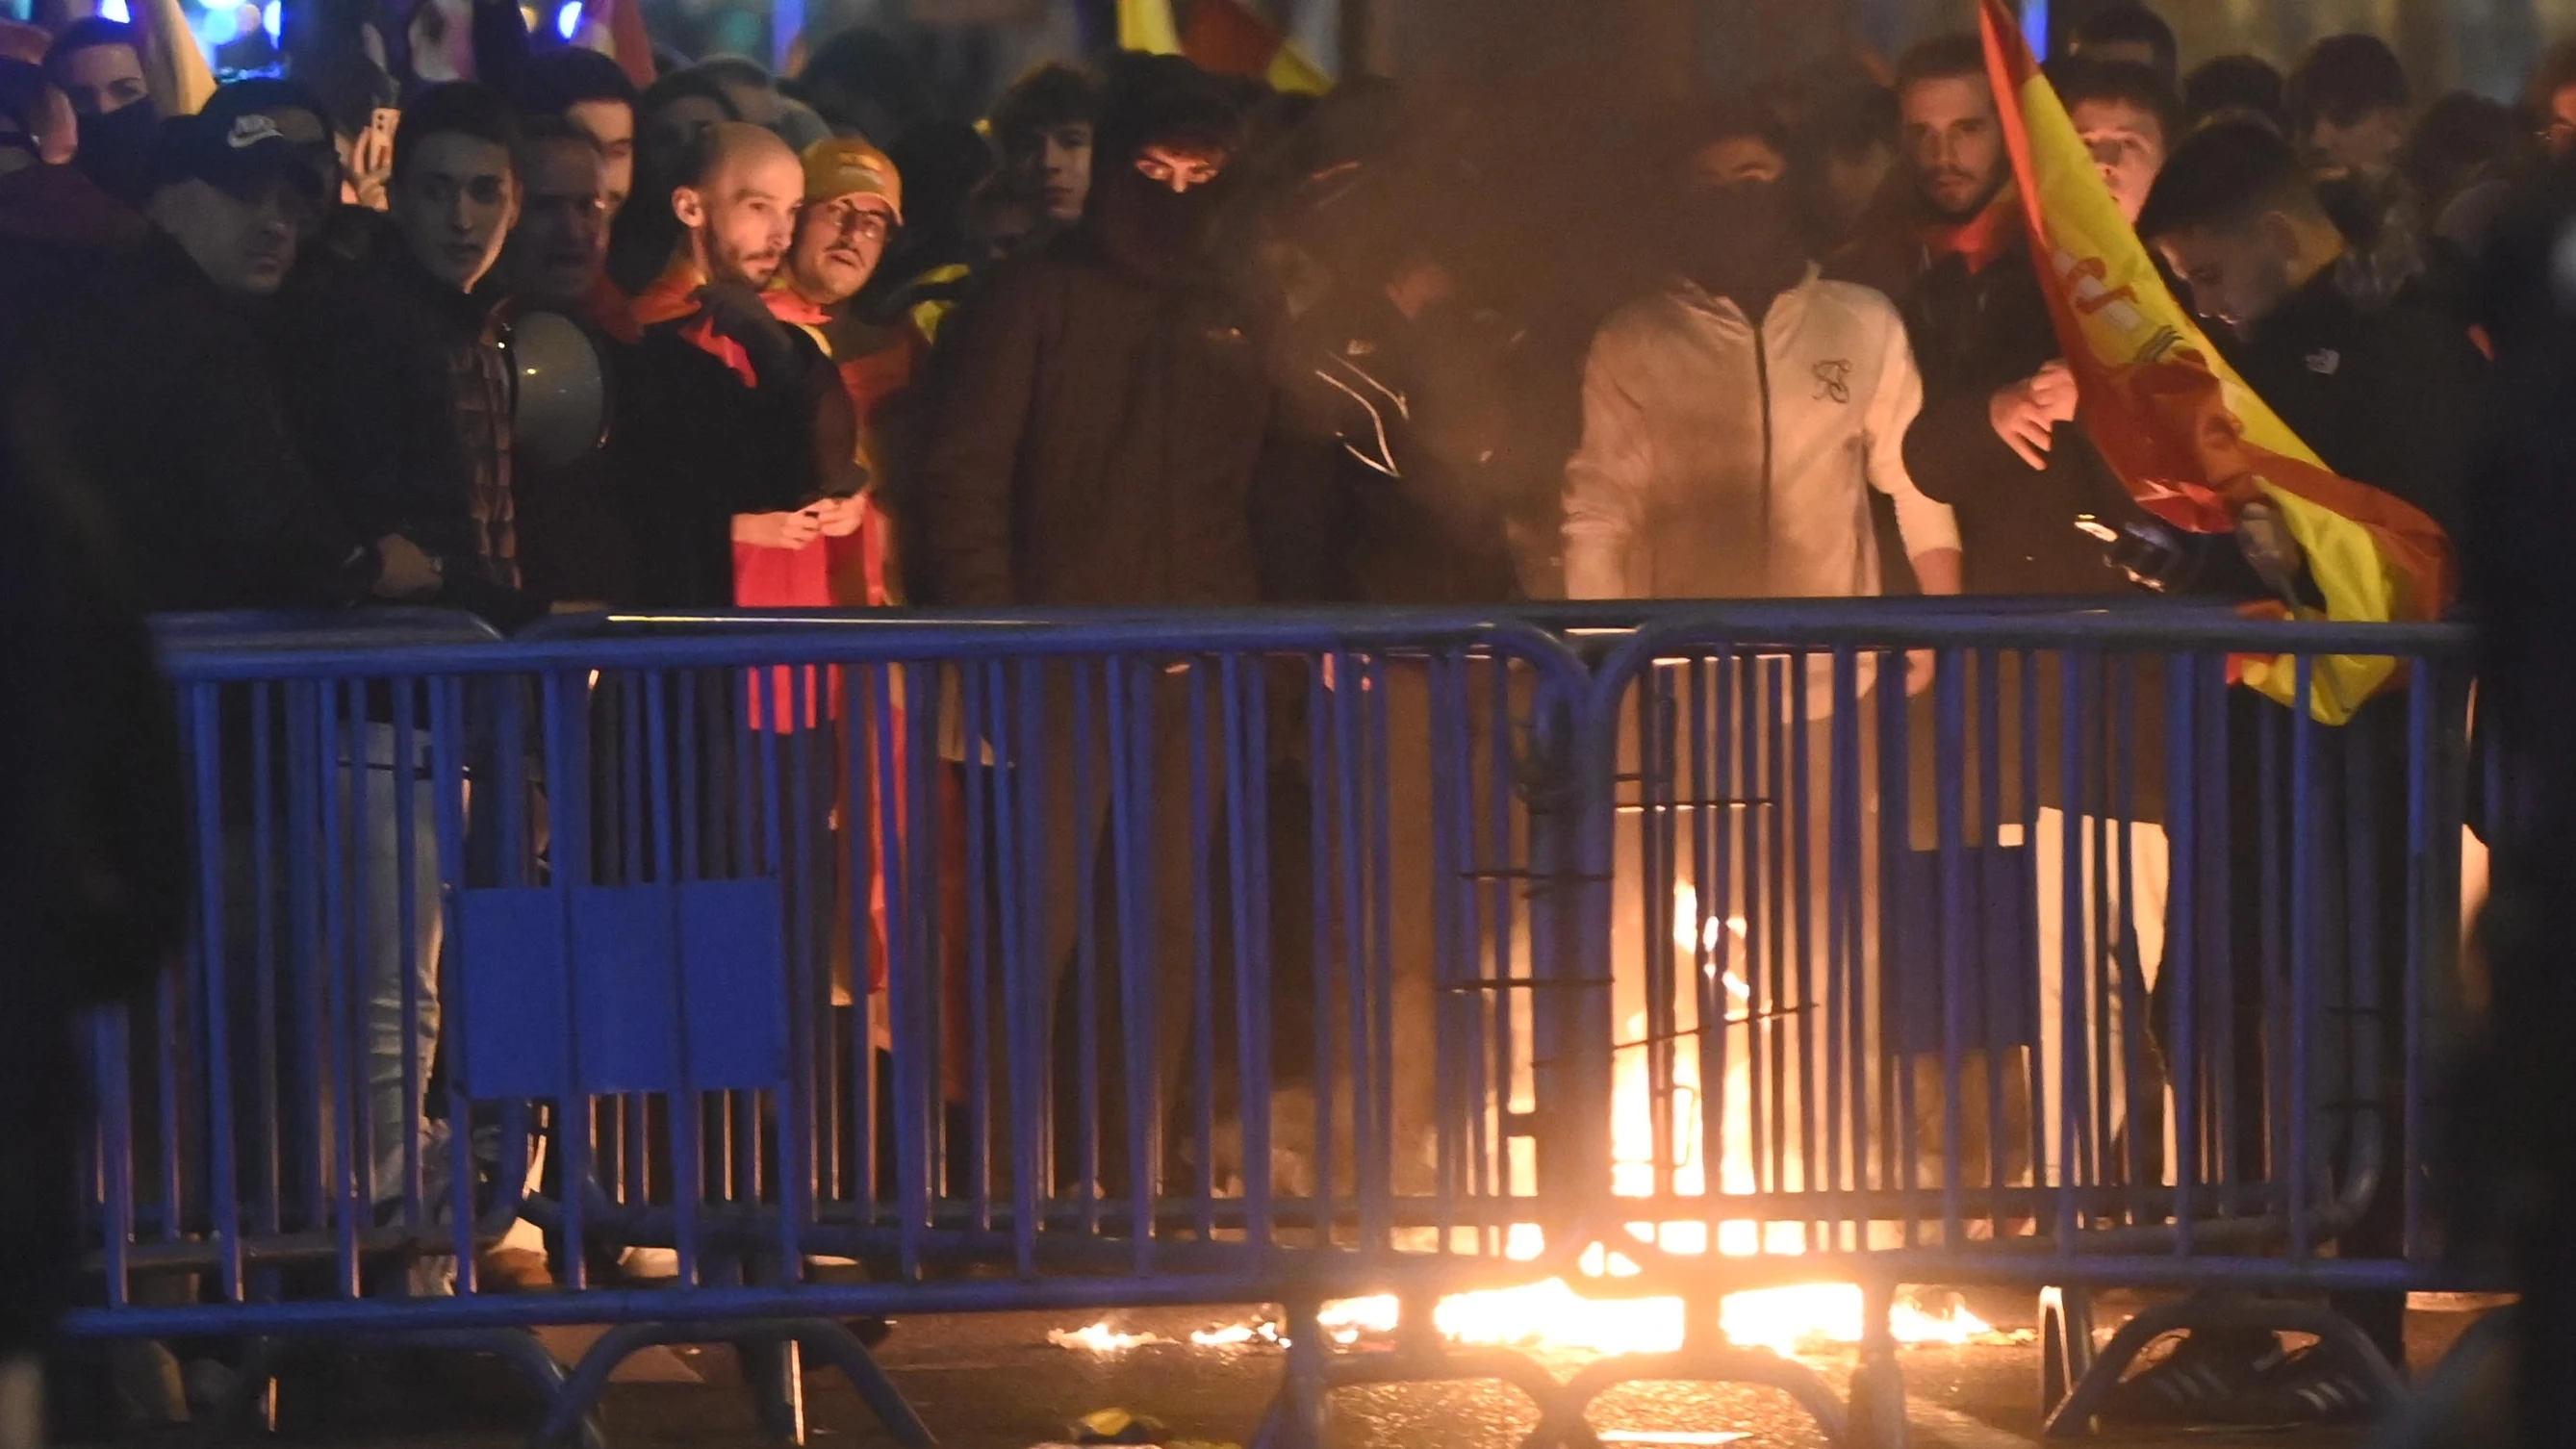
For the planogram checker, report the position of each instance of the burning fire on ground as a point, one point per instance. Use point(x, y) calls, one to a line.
point(1552, 1315)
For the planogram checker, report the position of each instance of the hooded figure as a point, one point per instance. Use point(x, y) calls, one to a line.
point(1100, 408)
point(1098, 415)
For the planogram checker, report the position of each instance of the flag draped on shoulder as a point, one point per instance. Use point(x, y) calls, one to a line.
point(2190, 442)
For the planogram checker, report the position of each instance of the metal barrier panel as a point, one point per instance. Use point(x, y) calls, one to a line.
point(2027, 948)
point(1231, 960)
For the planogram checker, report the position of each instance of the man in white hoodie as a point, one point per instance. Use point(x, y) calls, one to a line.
point(1734, 425)
point(1735, 421)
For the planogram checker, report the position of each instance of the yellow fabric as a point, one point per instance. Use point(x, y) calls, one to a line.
point(1147, 25)
point(174, 69)
point(1292, 72)
point(2128, 317)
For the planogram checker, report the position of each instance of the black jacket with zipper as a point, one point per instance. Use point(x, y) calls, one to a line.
point(1976, 333)
point(1094, 438)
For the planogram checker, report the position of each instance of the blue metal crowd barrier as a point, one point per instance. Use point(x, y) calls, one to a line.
point(910, 964)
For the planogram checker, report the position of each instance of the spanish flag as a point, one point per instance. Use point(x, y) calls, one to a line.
point(1226, 38)
point(2190, 442)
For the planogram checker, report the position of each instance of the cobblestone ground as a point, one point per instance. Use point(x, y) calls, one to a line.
point(995, 1382)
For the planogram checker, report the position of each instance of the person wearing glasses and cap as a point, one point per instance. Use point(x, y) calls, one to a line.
point(853, 206)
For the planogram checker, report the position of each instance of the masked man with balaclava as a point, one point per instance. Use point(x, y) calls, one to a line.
point(1098, 417)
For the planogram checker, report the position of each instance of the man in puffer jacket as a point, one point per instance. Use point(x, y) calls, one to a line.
point(1735, 422)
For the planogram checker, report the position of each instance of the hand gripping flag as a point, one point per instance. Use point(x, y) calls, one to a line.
point(2185, 435)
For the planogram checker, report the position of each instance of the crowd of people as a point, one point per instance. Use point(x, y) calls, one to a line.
point(1152, 336)
point(1148, 336)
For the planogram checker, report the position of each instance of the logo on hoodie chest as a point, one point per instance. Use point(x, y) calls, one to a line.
point(1833, 379)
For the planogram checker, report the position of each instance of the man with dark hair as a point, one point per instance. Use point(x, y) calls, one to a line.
point(594, 94)
point(2384, 391)
point(1099, 416)
point(2388, 393)
point(572, 522)
point(104, 83)
point(2234, 88)
point(2130, 33)
point(1139, 380)
point(99, 65)
point(1994, 439)
point(1043, 126)
point(2347, 101)
point(2127, 116)
point(401, 386)
point(556, 257)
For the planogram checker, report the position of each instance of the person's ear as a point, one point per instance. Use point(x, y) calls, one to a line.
point(690, 206)
point(2280, 234)
point(516, 198)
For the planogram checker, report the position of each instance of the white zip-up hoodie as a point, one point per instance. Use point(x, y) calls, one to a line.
point(1721, 463)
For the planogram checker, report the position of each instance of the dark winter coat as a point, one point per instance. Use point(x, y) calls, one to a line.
point(1976, 333)
point(166, 400)
point(1094, 437)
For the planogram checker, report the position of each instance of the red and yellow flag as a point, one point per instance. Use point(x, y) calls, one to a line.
point(1225, 37)
point(2185, 435)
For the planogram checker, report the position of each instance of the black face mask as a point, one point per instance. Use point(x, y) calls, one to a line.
point(116, 151)
point(1151, 228)
point(1741, 241)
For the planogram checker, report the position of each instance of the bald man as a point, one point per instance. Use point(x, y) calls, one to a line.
point(774, 440)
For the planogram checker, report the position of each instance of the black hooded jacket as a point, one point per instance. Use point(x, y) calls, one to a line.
point(1098, 416)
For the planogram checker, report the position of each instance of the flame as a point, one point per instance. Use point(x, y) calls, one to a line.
point(1101, 1338)
point(1554, 1316)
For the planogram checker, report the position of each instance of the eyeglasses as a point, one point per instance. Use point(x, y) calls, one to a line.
point(848, 218)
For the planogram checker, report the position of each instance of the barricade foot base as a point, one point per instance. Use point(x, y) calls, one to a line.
point(1877, 1404)
point(1295, 1417)
point(2065, 1344)
point(772, 1352)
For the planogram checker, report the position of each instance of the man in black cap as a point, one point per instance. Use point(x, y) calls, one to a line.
point(166, 398)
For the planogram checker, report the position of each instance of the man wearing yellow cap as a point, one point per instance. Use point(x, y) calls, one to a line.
point(853, 203)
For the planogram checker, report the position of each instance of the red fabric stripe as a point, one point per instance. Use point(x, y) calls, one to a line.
point(1224, 37)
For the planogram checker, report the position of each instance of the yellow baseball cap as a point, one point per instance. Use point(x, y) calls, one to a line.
point(840, 166)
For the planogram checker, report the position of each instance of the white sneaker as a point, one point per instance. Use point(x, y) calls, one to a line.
point(647, 1264)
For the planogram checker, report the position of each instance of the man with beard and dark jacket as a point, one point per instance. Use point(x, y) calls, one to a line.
point(1098, 418)
point(395, 370)
point(1995, 439)
point(742, 454)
